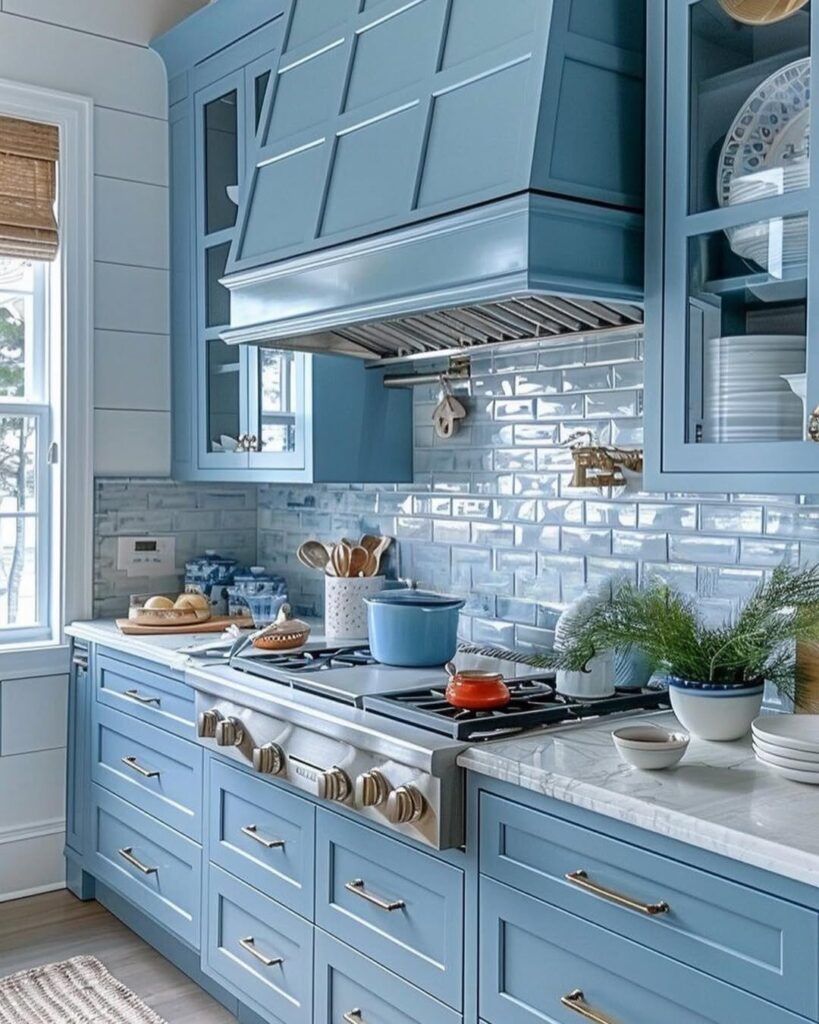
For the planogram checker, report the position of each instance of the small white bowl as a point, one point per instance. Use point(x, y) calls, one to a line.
point(649, 747)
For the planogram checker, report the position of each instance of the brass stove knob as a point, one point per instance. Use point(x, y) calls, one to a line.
point(371, 789)
point(269, 759)
point(334, 784)
point(229, 732)
point(207, 722)
point(405, 805)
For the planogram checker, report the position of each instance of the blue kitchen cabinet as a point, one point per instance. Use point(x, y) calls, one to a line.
point(240, 412)
point(732, 220)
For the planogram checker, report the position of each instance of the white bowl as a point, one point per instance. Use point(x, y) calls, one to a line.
point(714, 714)
point(798, 732)
point(785, 762)
point(649, 747)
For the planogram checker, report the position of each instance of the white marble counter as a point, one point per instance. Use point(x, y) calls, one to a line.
point(719, 797)
point(164, 650)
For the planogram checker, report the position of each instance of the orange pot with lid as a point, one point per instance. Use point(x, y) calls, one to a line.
point(474, 690)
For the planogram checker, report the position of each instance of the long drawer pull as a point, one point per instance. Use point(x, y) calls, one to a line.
point(353, 1017)
point(269, 844)
point(140, 698)
point(582, 881)
point(249, 945)
point(576, 1001)
point(134, 765)
point(127, 853)
point(357, 887)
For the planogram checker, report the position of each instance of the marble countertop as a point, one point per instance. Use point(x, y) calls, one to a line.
point(719, 798)
point(163, 650)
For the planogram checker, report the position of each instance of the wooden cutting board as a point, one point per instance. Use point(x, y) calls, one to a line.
point(215, 625)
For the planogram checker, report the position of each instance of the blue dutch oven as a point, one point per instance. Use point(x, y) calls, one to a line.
point(413, 628)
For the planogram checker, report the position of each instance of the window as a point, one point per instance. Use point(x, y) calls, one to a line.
point(25, 448)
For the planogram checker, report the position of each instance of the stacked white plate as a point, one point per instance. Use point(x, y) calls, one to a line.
point(779, 244)
point(744, 395)
point(788, 745)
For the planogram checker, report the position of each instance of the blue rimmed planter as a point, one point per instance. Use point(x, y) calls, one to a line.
point(715, 711)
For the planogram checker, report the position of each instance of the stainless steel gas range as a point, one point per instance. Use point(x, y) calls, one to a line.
point(378, 740)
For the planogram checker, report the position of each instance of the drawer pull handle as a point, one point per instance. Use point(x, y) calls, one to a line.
point(353, 1017)
point(249, 946)
point(357, 887)
point(576, 1001)
point(134, 765)
point(140, 698)
point(268, 844)
point(582, 880)
point(127, 853)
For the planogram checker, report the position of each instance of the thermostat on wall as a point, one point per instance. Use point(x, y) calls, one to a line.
point(146, 556)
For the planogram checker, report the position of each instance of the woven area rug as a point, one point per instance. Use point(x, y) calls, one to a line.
point(76, 991)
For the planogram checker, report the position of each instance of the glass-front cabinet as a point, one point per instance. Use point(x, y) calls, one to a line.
point(732, 346)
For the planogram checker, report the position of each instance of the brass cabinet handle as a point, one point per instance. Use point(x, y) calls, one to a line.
point(353, 1017)
point(813, 425)
point(269, 844)
point(357, 887)
point(576, 1001)
point(127, 853)
point(582, 881)
point(141, 698)
point(134, 765)
point(249, 945)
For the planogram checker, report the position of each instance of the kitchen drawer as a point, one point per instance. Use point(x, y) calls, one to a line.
point(738, 934)
point(159, 772)
point(533, 954)
point(151, 865)
point(145, 694)
point(351, 987)
point(262, 834)
point(396, 904)
point(258, 949)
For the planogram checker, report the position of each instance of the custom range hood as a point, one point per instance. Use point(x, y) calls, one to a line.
point(434, 175)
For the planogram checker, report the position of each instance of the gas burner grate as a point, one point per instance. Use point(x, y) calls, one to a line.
point(534, 703)
point(301, 662)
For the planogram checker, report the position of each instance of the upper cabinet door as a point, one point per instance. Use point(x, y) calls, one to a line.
point(732, 358)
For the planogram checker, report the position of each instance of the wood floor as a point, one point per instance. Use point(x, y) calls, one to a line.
point(56, 926)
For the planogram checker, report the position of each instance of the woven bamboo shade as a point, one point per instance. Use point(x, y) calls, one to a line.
point(28, 187)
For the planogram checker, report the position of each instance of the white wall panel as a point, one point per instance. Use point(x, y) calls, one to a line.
point(37, 782)
point(131, 371)
point(130, 146)
point(130, 223)
point(131, 299)
point(131, 443)
point(33, 714)
point(32, 864)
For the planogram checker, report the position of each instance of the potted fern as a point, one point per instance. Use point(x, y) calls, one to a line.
point(716, 674)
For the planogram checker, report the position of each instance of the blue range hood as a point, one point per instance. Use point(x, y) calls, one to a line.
point(431, 175)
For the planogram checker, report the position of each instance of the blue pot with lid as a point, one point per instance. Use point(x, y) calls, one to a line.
point(413, 628)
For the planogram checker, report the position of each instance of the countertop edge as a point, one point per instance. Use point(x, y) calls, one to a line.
point(138, 647)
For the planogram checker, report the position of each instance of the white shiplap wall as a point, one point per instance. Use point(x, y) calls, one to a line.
point(95, 48)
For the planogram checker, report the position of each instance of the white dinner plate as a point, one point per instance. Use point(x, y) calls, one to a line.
point(812, 778)
point(785, 762)
point(804, 757)
point(800, 732)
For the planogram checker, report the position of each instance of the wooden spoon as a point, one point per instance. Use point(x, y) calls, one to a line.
point(340, 559)
point(314, 555)
point(359, 560)
point(376, 547)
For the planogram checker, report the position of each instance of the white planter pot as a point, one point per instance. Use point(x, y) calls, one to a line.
point(716, 714)
point(595, 683)
point(345, 614)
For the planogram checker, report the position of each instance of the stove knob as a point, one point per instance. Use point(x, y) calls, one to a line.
point(207, 722)
point(405, 804)
point(269, 759)
point(371, 789)
point(334, 784)
point(230, 732)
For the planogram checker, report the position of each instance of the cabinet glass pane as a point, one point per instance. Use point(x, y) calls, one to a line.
point(749, 98)
point(747, 316)
point(259, 91)
point(221, 161)
point(217, 297)
point(277, 391)
point(224, 396)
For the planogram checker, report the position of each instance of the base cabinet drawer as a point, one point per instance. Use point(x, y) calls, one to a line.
point(263, 835)
point(735, 933)
point(397, 905)
point(148, 863)
point(258, 949)
point(539, 963)
point(156, 770)
point(145, 694)
point(350, 989)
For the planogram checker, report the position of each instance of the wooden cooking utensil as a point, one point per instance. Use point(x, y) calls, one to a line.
point(340, 559)
point(314, 555)
point(359, 560)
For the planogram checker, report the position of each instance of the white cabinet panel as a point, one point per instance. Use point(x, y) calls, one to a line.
point(130, 223)
point(130, 146)
point(131, 299)
point(132, 371)
point(31, 865)
point(134, 22)
point(32, 714)
point(38, 783)
point(132, 443)
point(114, 74)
